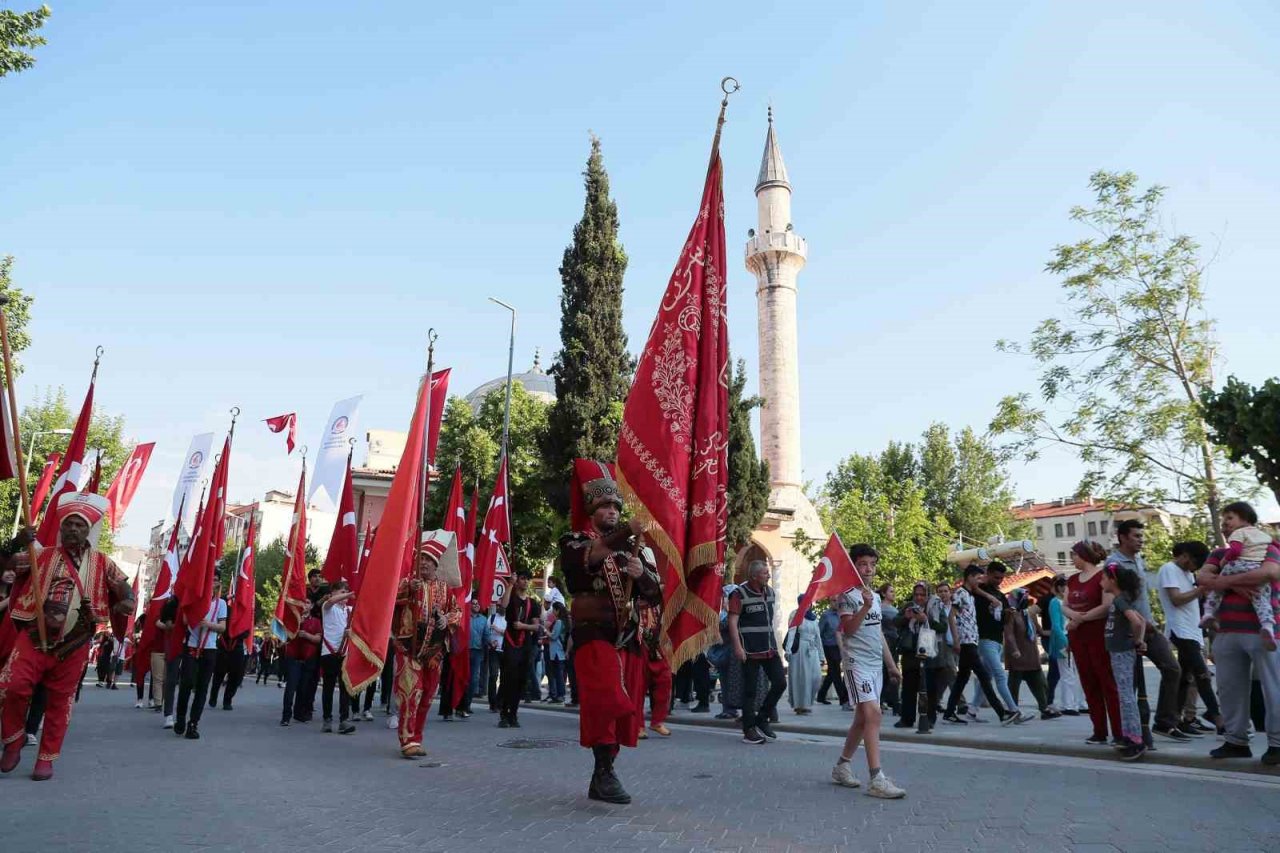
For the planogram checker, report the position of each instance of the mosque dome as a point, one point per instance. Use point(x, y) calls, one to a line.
point(536, 381)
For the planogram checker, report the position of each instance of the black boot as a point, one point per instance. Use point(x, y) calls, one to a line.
point(604, 784)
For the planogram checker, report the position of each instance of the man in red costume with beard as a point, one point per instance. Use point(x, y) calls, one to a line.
point(73, 589)
point(606, 570)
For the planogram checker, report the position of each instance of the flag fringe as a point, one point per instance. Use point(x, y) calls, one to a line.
point(378, 661)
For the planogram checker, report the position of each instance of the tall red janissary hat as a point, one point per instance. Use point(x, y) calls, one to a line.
point(90, 507)
point(442, 547)
point(594, 485)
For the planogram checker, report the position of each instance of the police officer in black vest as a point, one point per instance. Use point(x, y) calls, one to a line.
point(751, 619)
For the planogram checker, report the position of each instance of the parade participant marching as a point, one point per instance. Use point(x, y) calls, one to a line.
point(199, 658)
point(605, 570)
point(424, 615)
point(523, 617)
point(336, 616)
point(73, 588)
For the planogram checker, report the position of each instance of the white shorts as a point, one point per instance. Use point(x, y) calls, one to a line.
point(863, 686)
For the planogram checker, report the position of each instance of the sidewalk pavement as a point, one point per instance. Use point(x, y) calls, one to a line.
point(1062, 736)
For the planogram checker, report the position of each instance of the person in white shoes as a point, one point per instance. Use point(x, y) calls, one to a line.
point(866, 658)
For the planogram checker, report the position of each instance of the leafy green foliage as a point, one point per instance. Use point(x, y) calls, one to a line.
point(748, 473)
point(1245, 421)
point(17, 311)
point(593, 368)
point(268, 565)
point(17, 36)
point(1128, 359)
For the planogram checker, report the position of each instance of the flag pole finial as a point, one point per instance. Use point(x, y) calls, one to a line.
point(728, 85)
point(97, 359)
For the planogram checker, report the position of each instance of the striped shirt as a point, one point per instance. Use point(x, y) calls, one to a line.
point(1236, 614)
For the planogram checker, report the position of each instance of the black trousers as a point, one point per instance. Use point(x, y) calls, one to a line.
point(1191, 659)
point(694, 679)
point(264, 670)
point(772, 669)
point(298, 674)
point(195, 672)
point(495, 667)
point(971, 662)
point(388, 680)
point(446, 705)
point(172, 675)
point(573, 677)
point(912, 667)
point(229, 668)
point(1034, 679)
point(516, 663)
point(832, 654)
point(331, 671)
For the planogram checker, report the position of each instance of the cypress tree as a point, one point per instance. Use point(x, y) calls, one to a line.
point(748, 473)
point(593, 368)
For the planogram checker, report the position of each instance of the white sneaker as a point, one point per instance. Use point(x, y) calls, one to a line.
point(882, 786)
point(842, 775)
point(137, 705)
point(368, 715)
point(31, 740)
point(393, 722)
point(168, 721)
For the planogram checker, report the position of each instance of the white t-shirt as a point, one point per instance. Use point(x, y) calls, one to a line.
point(217, 613)
point(551, 596)
point(865, 647)
point(1182, 622)
point(335, 625)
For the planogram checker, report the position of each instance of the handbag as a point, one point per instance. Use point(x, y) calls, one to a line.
point(927, 643)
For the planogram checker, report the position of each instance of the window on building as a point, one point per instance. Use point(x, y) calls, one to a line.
point(1062, 558)
point(1093, 528)
point(1039, 532)
point(1105, 524)
point(1071, 528)
point(1057, 531)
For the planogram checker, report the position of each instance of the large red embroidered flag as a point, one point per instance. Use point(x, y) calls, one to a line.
point(125, 485)
point(673, 445)
point(834, 574)
point(240, 620)
point(69, 471)
point(45, 481)
point(292, 605)
point(195, 582)
point(455, 521)
point(344, 551)
point(497, 530)
point(364, 558)
point(282, 422)
point(371, 619)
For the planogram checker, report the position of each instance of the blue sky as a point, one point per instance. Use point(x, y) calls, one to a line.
point(266, 205)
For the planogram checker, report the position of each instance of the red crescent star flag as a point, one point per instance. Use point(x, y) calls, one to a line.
point(240, 620)
point(497, 531)
point(673, 462)
point(195, 583)
point(282, 422)
point(834, 574)
point(344, 552)
point(69, 471)
point(371, 619)
point(292, 605)
point(455, 521)
point(125, 485)
point(45, 481)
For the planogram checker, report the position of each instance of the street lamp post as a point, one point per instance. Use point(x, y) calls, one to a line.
point(31, 449)
point(511, 356)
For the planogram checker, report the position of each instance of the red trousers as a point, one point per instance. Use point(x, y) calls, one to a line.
point(26, 668)
point(414, 686)
point(656, 684)
point(608, 679)
point(1089, 648)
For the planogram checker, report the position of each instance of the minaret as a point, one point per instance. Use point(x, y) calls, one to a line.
point(775, 255)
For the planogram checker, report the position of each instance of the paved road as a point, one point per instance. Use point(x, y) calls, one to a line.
point(124, 784)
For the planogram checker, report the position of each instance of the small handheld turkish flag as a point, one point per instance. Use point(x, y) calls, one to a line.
point(280, 422)
point(834, 574)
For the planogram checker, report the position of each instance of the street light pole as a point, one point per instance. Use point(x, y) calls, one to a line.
point(511, 357)
point(31, 449)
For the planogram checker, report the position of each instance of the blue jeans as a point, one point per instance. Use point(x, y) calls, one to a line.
point(479, 670)
point(555, 679)
point(990, 652)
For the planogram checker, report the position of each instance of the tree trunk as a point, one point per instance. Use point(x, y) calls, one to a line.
point(1212, 499)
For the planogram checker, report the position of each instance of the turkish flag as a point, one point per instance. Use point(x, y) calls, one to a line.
point(293, 606)
point(834, 574)
point(673, 464)
point(344, 553)
point(95, 479)
point(159, 594)
point(455, 520)
point(45, 481)
point(195, 583)
point(497, 531)
point(280, 422)
point(125, 485)
point(242, 596)
point(439, 396)
point(68, 477)
point(371, 618)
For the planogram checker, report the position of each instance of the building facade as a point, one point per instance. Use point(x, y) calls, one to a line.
point(1061, 523)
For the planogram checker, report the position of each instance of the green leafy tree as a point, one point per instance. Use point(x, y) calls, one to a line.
point(979, 505)
point(475, 440)
point(1127, 360)
point(268, 565)
point(1245, 421)
point(52, 411)
point(17, 311)
point(593, 368)
point(17, 36)
point(748, 473)
point(912, 545)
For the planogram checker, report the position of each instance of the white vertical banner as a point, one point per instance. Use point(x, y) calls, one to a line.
point(331, 459)
point(187, 492)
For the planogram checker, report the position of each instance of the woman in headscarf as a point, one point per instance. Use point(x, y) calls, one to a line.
point(803, 646)
point(1022, 652)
